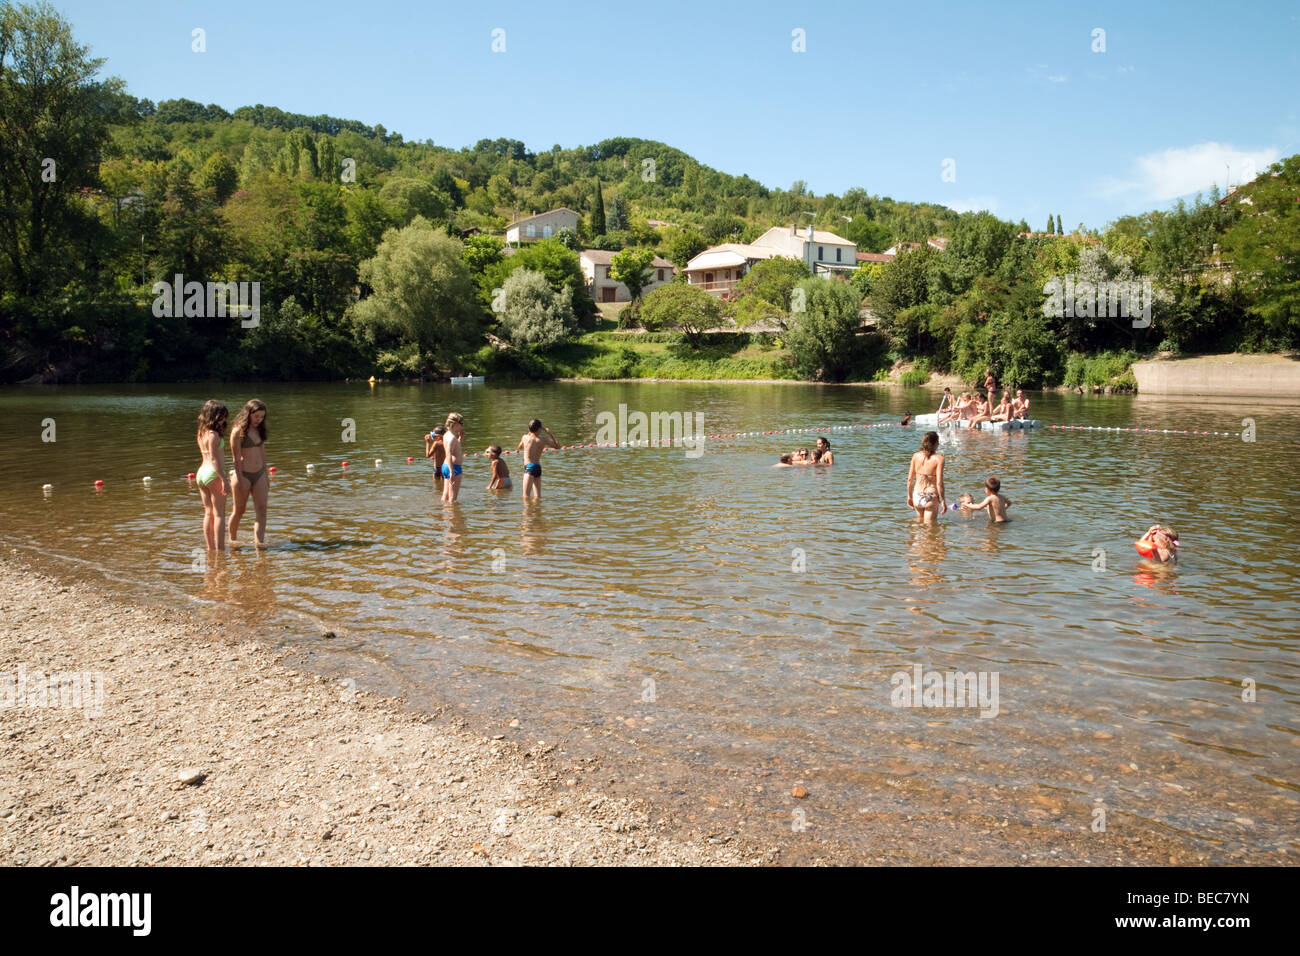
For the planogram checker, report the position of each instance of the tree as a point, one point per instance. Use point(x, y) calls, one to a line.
point(482, 251)
point(597, 227)
point(632, 268)
point(550, 257)
point(423, 294)
point(1264, 249)
point(408, 198)
point(617, 219)
point(534, 314)
point(867, 234)
point(1059, 230)
point(54, 123)
point(823, 334)
point(221, 176)
point(773, 281)
point(721, 227)
point(901, 284)
point(685, 246)
point(686, 308)
point(569, 239)
point(1051, 227)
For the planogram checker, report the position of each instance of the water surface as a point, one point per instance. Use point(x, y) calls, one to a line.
point(740, 623)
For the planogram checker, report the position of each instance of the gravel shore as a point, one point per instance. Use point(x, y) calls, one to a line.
point(210, 750)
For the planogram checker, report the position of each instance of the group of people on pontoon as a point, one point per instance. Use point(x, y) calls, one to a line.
point(821, 455)
point(976, 408)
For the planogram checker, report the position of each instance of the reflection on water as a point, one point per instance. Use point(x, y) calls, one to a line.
point(768, 608)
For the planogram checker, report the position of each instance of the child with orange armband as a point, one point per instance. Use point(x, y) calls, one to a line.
point(1160, 543)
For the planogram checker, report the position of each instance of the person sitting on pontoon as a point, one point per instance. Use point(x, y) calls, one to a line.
point(947, 407)
point(1020, 405)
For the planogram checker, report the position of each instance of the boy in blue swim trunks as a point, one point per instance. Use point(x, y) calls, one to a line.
point(531, 444)
point(452, 466)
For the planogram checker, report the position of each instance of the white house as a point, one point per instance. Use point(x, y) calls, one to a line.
point(595, 266)
point(824, 253)
point(717, 269)
point(541, 226)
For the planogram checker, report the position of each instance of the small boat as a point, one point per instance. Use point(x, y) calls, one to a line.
point(467, 380)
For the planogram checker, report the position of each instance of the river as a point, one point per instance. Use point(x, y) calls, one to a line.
point(731, 629)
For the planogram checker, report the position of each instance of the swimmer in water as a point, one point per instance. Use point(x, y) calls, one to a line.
point(247, 436)
point(995, 503)
point(785, 462)
point(532, 444)
point(925, 480)
point(1160, 543)
point(211, 474)
point(500, 473)
point(823, 456)
point(454, 463)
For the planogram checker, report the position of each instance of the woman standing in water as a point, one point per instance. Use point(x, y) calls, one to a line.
point(210, 476)
point(925, 480)
point(249, 458)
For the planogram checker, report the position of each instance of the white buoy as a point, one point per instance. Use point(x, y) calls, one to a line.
point(310, 469)
point(147, 480)
point(379, 462)
point(47, 487)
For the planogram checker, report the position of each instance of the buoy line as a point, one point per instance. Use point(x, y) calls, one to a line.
point(671, 442)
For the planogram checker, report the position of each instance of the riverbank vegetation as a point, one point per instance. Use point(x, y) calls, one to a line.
point(374, 255)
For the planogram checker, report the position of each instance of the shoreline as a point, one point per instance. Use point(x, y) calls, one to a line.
point(298, 769)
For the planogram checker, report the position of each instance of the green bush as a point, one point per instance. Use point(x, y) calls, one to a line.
point(1104, 368)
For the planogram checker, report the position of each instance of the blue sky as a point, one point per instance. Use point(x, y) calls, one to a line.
point(1013, 93)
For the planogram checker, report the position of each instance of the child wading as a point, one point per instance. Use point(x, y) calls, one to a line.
point(453, 465)
point(531, 444)
point(500, 473)
point(995, 502)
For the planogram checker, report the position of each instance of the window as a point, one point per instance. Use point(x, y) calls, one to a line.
point(661, 275)
point(821, 252)
point(837, 254)
point(546, 232)
point(531, 232)
point(708, 277)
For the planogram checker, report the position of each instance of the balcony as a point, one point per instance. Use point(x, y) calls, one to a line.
point(723, 288)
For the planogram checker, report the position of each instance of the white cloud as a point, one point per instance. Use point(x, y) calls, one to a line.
point(973, 204)
point(1174, 172)
point(1057, 79)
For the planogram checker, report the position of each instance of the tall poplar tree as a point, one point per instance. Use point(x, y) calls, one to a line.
point(597, 211)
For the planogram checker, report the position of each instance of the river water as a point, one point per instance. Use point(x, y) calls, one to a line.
point(739, 629)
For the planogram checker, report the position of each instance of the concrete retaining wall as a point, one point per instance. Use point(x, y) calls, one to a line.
point(1264, 375)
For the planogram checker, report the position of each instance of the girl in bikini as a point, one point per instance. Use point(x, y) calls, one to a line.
point(249, 457)
point(209, 477)
point(983, 410)
point(925, 480)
